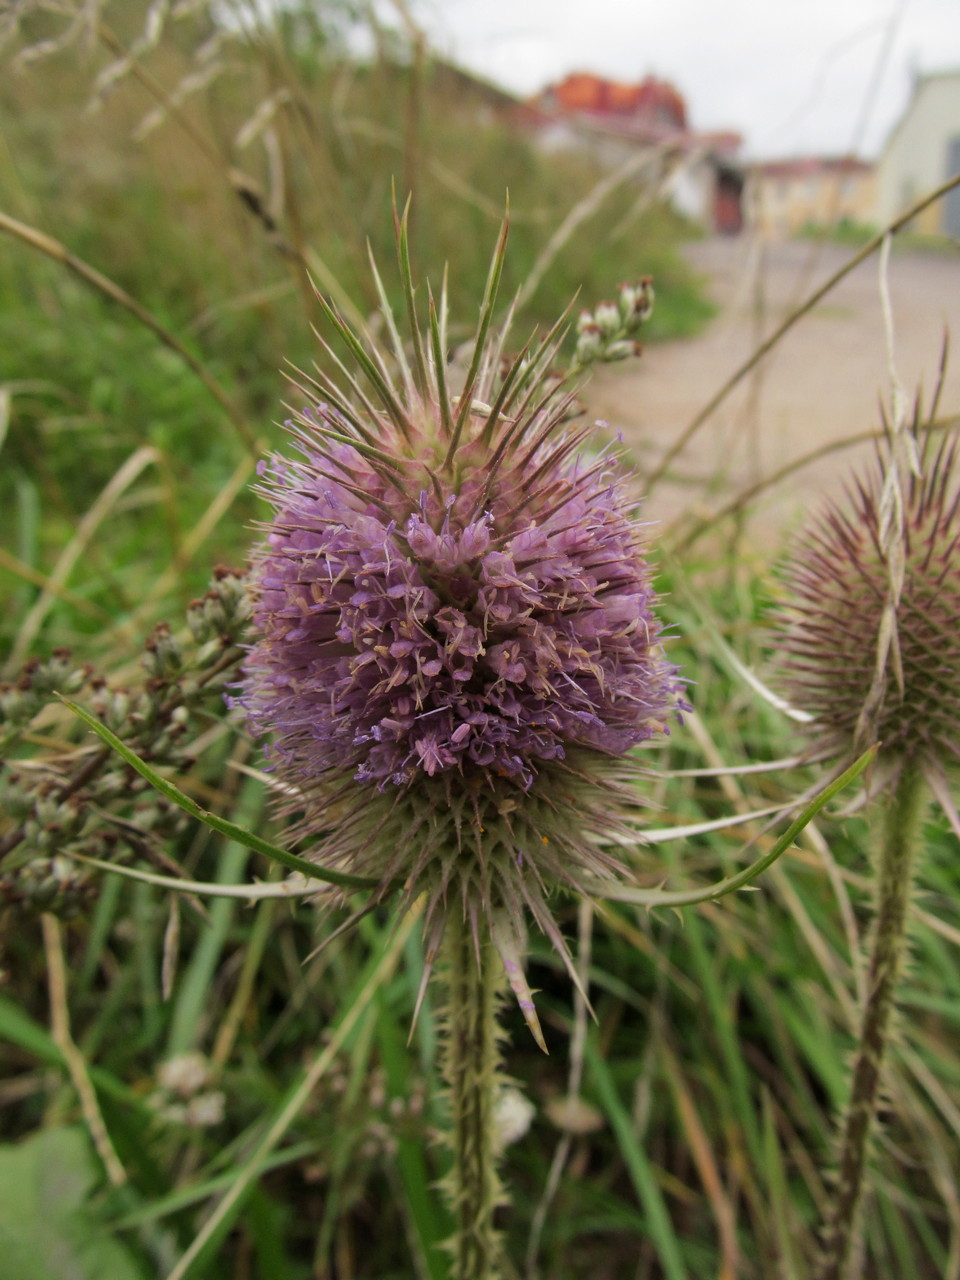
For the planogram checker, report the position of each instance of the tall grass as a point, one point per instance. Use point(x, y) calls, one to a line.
point(219, 221)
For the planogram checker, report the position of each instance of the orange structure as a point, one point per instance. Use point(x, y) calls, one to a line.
point(697, 172)
point(651, 100)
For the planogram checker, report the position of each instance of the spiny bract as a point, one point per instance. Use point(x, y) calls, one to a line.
point(457, 644)
point(837, 580)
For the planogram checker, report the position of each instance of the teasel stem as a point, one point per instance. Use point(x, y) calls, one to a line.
point(901, 833)
point(471, 1062)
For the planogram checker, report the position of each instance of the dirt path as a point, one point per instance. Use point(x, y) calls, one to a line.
point(823, 382)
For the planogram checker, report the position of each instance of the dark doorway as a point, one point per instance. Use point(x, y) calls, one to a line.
point(727, 202)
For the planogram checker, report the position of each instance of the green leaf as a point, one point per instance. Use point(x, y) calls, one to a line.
point(429, 1221)
point(688, 897)
point(47, 1228)
point(354, 1009)
point(246, 838)
point(782, 1219)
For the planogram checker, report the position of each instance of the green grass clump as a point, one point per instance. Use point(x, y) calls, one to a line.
point(220, 241)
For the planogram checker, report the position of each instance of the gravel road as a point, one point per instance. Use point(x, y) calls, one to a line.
point(823, 382)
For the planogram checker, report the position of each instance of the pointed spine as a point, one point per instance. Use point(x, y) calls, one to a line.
point(402, 228)
point(390, 321)
point(373, 373)
point(439, 368)
point(486, 315)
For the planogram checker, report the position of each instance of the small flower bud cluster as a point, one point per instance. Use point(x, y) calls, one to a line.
point(22, 700)
point(223, 612)
point(85, 801)
point(183, 1096)
point(606, 334)
point(57, 885)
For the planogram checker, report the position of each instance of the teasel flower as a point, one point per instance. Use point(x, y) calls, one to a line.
point(457, 638)
point(457, 650)
point(869, 642)
point(830, 633)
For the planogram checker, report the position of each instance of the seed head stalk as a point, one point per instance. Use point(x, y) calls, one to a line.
point(871, 652)
point(894, 882)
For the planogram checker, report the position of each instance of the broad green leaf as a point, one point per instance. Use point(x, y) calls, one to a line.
point(48, 1231)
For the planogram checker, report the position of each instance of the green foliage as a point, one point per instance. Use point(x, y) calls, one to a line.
point(715, 1066)
point(843, 232)
point(49, 1228)
point(222, 261)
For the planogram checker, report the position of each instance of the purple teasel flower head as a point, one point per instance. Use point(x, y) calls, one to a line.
point(831, 625)
point(456, 644)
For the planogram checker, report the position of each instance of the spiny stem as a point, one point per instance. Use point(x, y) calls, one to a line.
point(894, 881)
point(471, 1063)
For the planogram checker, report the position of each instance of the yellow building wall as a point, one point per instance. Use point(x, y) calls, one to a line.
point(781, 205)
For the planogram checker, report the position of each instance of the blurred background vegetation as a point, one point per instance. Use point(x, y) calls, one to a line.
point(211, 167)
point(215, 207)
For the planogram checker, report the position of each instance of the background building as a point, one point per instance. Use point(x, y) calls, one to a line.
point(922, 151)
point(698, 172)
point(784, 197)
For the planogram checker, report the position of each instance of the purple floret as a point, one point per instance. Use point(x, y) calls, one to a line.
point(407, 634)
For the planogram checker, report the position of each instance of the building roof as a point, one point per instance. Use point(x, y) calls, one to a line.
point(810, 166)
point(650, 112)
point(650, 99)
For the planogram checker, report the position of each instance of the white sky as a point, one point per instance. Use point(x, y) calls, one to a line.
point(793, 76)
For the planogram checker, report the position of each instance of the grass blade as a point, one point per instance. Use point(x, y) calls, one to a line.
point(90, 275)
point(289, 888)
point(356, 1004)
point(641, 1173)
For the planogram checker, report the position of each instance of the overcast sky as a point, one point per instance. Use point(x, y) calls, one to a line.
point(793, 76)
